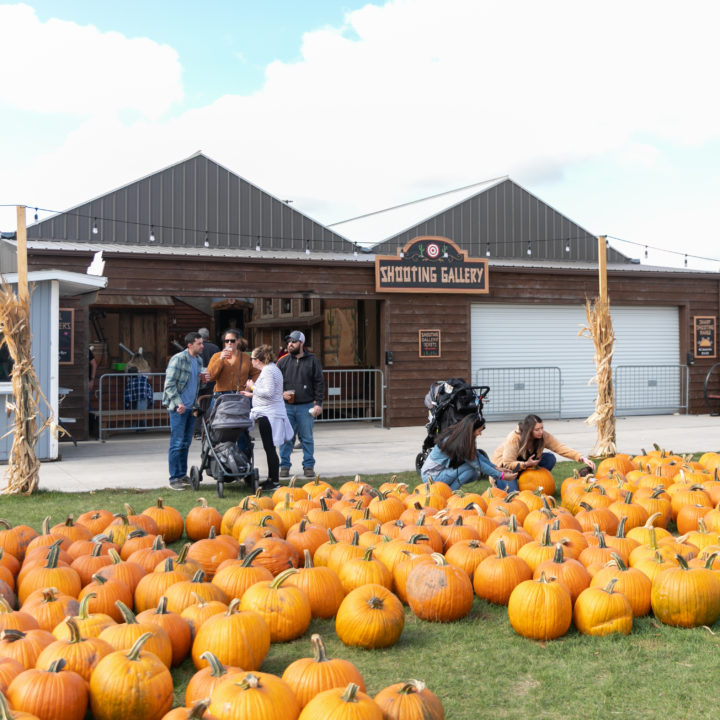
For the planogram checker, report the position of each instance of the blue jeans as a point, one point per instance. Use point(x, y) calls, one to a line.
point(181, 434)
point(302, 424)
point(547, 461)
point(455, 477)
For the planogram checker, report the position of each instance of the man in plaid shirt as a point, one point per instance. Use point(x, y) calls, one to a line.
point(182, 380)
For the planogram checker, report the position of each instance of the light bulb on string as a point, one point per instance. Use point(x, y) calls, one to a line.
point(257, 245)
point(95, 230)
point(207, 241)
point(567, 245)
point(646, 252)
point(529, 249)
point(307, 247)
point(487, 250)
point(36, 214)
point(152, 234)
point(686, 260)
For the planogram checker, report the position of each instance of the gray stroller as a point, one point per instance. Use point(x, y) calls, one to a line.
point(220, 456)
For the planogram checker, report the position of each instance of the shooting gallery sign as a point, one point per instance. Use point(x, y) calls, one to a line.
point(431, 264)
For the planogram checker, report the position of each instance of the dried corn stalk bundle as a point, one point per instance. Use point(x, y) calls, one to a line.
point(23, 468)
point(600, 330)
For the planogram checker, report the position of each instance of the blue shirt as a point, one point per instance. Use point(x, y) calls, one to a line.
point(189, 392)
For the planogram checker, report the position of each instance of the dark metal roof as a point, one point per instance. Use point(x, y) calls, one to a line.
point(506, 219)
point(187, 205)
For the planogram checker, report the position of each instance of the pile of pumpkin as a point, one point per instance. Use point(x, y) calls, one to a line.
point(94, 612)
point(105, 608)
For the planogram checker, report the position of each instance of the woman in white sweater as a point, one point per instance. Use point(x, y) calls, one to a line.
point(268, 410)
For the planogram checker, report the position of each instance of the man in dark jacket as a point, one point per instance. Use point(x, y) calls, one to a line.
point(303, 389)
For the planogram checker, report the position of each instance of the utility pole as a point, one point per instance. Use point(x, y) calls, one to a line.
point(602, 267)
point(23, 292)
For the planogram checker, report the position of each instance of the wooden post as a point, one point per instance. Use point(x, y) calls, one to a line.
point(23, 293)
point(602, 267)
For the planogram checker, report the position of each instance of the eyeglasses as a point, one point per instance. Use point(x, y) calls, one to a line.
point(230, 340)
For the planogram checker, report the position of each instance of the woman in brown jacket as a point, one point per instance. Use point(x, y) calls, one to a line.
point(231, 367)
point(525, 448)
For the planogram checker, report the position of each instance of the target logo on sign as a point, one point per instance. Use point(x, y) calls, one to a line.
point(433, 250)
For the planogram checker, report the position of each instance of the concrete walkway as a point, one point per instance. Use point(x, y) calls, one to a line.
point(137, 460)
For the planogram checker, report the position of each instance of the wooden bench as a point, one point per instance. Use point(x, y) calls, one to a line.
point(348, 405)
point(108, 421)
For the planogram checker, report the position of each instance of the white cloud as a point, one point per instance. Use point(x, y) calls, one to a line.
point(405, 100)
point(62, 67)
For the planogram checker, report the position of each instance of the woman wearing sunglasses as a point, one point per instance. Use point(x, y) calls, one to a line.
point(231, 367)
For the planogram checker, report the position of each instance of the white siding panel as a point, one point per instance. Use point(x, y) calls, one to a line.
point(509, 335)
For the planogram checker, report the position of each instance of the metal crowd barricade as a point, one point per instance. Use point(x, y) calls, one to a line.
point(651, 389)
point(515, 389)
point(114, 414)
point(353, 395)
point(349, 395)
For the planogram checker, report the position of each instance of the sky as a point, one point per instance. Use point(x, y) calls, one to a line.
point(608, 112)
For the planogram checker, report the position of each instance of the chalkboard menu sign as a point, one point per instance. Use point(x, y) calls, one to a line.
point(704, 337)
point(429, 343)
point(67, 336)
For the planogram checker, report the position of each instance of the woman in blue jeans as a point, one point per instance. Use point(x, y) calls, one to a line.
point(455, 460)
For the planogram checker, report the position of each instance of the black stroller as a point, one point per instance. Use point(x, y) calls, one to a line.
point(219, 455)
point(448, 401)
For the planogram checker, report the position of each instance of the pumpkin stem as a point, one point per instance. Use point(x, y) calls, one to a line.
point(57, 665)
point(282, 577)
point(134, 653)
point(217, 669)
point(350, 694)
point(412, 686)
point(126, 612)
point(609, 587)
point(319, 651)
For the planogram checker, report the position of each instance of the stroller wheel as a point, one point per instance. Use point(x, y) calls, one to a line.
point(220, 488)
point(255, 480)
point(420, 461)
point(195, 477)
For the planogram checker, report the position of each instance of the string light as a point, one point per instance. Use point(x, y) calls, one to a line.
point(567, 245)
point(307, 247)
point(487, 250)
point(181, 229)
point(257, 244)
point(207, 241)
point(686, 260)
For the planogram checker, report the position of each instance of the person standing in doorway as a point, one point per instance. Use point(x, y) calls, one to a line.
point(303, 389)
point(182, 379)
point(209, 349)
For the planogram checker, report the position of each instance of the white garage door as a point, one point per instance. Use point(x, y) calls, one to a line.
point(508, 337)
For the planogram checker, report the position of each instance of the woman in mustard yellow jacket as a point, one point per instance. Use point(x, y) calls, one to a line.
point(526, 448)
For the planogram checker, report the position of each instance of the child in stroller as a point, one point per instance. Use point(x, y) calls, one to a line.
point(219, 454)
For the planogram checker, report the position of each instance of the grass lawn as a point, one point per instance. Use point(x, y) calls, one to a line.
point(478, 666)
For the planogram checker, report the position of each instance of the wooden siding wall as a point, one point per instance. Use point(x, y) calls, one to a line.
point(402, 315)
point(75, 376)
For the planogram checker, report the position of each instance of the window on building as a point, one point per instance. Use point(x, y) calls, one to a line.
point(306, 306)
point(267, 306)
point(286, 306)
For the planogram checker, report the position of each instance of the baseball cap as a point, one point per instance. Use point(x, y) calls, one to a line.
point(295, 336)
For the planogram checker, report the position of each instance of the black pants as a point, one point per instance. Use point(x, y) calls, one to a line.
point(273, 462)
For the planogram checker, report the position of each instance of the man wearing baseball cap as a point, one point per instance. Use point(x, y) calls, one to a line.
point(303, 389)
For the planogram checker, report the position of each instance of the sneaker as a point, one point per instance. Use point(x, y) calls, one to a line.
point(309, 472)
point(177, 484)
point(284, 472)
point(269, 486)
